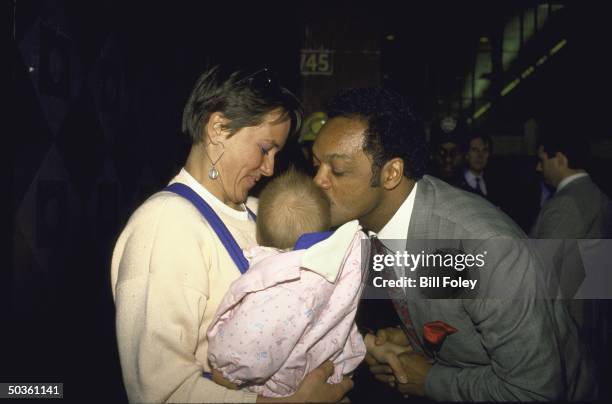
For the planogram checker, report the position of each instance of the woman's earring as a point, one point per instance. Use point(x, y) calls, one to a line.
point(213, 173)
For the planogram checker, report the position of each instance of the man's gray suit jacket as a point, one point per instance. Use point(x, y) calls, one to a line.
point(514, 345)
point(578, 211)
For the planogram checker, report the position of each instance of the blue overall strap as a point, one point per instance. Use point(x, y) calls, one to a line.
point(251, 213)
point(215, 222)
point(309, 239)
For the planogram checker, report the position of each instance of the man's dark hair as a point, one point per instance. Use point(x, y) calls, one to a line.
point(486, 139)
point(560, 136)
point(243, 97)
point(392, 128)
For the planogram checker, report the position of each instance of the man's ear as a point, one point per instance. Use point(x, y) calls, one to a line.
point(214, 128)
point(562, 160)
point(392, 173)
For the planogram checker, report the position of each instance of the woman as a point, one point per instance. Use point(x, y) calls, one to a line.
point(170, 269)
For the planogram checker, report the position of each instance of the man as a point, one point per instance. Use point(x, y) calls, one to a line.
point(479, 149)
point(578, 208)
point(448, 151)
point(369, 162)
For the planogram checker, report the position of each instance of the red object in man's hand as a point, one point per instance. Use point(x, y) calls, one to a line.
point(435, 332)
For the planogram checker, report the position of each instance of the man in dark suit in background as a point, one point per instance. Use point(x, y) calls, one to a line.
point(478, 150)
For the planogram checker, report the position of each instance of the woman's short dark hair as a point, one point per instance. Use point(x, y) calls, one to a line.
point(243, 97)
point(392, 127)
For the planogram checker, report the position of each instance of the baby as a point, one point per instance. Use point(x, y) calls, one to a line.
point(295, 306)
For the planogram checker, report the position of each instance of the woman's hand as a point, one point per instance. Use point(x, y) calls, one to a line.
point(314, 388)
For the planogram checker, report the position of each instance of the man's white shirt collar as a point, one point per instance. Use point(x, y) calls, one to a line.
point(397, 227)
point(565, 181)
point(470, 178)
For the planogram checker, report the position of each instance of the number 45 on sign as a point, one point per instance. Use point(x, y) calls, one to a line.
point(316, 62)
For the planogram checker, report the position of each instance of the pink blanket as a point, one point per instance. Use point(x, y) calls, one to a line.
point(279, 321)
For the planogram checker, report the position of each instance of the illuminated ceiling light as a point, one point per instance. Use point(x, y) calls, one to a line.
point(541, 60)
point(510, 86)
point(390, 37)
point(558, 46)
point(527, 72)
point(482, 110)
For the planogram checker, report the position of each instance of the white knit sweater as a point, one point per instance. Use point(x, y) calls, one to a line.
point(169, 273)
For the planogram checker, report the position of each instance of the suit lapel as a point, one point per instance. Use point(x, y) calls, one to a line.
point(424, 234)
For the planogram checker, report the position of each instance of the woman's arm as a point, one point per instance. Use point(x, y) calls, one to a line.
point(314, 388)
point(161, 296)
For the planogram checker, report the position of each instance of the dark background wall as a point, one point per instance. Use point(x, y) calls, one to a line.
point(98, 93)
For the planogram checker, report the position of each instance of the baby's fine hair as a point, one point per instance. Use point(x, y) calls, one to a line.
point(289, 206)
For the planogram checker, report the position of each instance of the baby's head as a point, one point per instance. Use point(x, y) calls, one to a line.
point(289, 206)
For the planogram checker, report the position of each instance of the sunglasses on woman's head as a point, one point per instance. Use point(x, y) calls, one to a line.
point(265, 82)
point(263, 76)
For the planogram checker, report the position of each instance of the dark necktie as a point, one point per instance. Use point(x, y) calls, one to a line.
point(399, 299)
point(478, 189)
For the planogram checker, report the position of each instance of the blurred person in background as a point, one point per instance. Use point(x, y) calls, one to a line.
point(447, 150)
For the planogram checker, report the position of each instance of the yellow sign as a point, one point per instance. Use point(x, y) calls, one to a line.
point(316, 62)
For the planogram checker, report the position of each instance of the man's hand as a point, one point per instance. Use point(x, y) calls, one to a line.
point(383, 352)
point(314, 388)
point(416, 366)
point(392, 334)
point(380, 355)
point(388, 370)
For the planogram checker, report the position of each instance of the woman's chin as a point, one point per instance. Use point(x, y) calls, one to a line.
point(246, 188)
point(241, 197)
